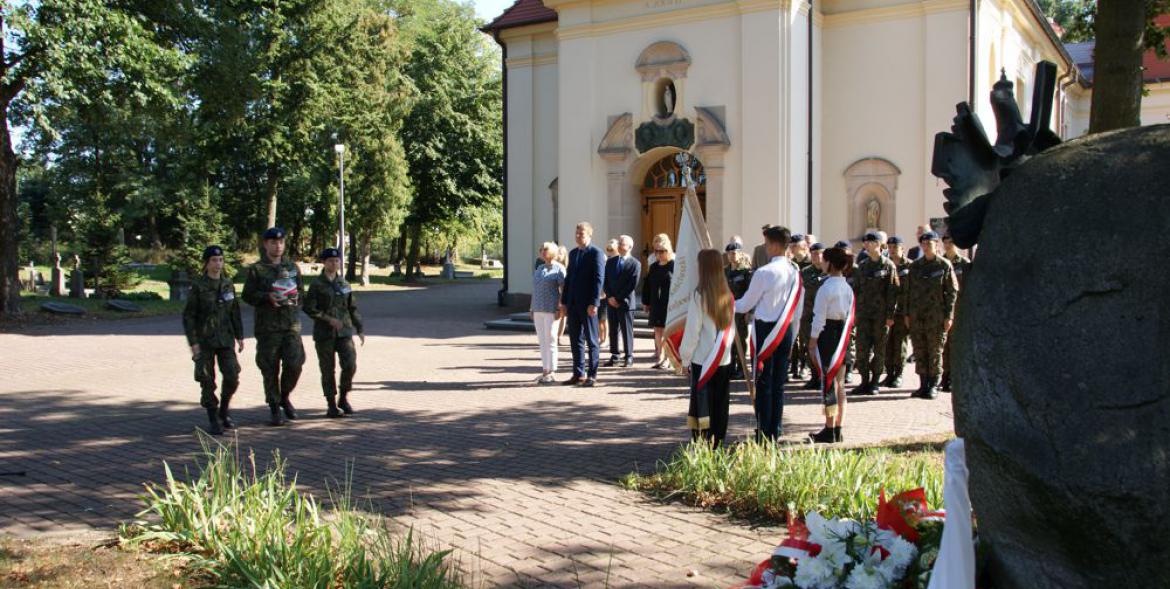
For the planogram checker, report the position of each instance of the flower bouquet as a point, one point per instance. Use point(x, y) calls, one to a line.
point(896, 550)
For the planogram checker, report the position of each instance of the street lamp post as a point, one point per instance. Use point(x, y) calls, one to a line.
point(340, 149)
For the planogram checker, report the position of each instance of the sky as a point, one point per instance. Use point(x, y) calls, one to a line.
point(489, 9)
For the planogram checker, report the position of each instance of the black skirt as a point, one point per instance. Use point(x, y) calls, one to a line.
point(826, 349)
point(657, 315)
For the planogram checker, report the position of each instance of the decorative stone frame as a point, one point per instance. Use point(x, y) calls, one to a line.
point(664, 59)
point(867, 179)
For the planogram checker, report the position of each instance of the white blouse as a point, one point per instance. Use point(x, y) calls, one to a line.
point(834, 301)
point(699, 335)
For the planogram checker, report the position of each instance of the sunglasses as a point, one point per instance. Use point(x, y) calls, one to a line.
point(660, 251)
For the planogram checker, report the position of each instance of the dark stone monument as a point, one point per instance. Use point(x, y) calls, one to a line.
point(77, 280)
point(57, 284)
point(62, 308)
point(180, 286)
point(1061, 371)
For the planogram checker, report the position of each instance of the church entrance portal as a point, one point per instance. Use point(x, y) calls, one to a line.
point(662, 196)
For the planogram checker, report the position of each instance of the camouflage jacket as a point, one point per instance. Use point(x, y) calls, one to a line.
point(903, 285)
point(933, 291)
point(961, 264)
point(812, 278)
point(875, 283)
point(332, 299)
point(738, 280)
point(284, 278)
point(212, 315)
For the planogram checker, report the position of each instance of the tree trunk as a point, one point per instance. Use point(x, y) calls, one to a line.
point(365, 245)
point(1117, 65)
point(400, 250)
point(412, 256)
point(351, 261)
point(155, 238)
point(273, 185)
point(9, 264)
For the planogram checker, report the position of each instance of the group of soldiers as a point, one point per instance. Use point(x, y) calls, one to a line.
point(899, 295)
point(214, 329)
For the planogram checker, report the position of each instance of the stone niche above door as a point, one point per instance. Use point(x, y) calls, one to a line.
point(871, 188)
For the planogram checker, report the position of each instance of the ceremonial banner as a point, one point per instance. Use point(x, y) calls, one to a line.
point(692, 237)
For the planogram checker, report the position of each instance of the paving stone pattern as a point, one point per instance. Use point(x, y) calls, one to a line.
point(452, 438)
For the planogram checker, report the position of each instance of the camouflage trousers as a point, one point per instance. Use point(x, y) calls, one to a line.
point(280, 357)
point(928, 339)
point(205, 374)
point(342, 348)
point(896, 346)
point(871, 346)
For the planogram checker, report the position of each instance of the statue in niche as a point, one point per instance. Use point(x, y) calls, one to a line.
point(668, 99)
point(873, 214)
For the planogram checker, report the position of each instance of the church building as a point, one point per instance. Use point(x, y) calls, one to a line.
point(820, 118)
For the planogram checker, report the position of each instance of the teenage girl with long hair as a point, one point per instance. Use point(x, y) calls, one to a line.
point(705, 350)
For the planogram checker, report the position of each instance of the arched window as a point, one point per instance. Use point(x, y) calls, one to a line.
point(667, 173)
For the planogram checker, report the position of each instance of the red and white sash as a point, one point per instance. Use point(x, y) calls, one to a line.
point(777, 334)
point(838, 355)
point(711, 363)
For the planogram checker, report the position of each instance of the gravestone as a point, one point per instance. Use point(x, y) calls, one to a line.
point(123, 306)
point(62, 308)
point(31, 282)
point(180, 286)
point(57, 284)
point(1060, 353)
point(77, 284)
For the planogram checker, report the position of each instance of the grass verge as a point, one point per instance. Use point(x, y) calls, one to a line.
point(238, 526)
point(768, 480)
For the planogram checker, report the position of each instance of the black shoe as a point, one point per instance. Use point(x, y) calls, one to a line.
point(896, 380)
point(945, 386)
point(332, 411)
point(848, 376)
point(931, 391)
point(825, 436)
point(290, 412)
point(225, 418)
point(343, 404)
point(921, 390)
point(863, 389)
point(276, 418)
point(213, 426)
point(874, 390)
point(589, 382)
point(611, 362)
point(813, 384)
point(572, 382)
point(837, 437)
point(629, 363)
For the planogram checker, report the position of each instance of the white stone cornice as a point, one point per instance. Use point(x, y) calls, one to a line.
point(896, 12)
point(669, 18)
point(531, 61)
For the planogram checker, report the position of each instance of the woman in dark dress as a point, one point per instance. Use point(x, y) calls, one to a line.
point(656, 294)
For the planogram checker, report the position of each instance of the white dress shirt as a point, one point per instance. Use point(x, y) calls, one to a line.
point(700, 335)
point(834, 301)
point(768, 291)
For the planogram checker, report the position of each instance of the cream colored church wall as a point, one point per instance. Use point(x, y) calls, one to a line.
point(1156, 105)
point(891, 82)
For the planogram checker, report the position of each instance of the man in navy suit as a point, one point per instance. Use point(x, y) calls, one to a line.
point(621, 280)
point(579, 300)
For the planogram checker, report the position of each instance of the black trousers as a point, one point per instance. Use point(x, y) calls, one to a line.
point(621, 322)
point(770, 380)
point(713, 402)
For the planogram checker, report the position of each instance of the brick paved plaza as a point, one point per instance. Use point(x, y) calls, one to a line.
point(452, 437)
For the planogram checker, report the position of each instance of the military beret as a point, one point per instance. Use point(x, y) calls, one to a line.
point(796, 238)
point(212, 251)
point(871, 236)
point(733, 247)
point(274, 233)
point(816, 247)
point(329, 252)
point(841, 244)
point(928, 236)
point(895, 240)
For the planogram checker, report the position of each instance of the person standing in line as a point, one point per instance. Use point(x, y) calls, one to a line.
point(211, 321)
point(760, 253)
point(581, 300)
point(896, 343)
point(875, 285)
point(916, 251)
point(656, 295)
point(775, 295)
point(547, 281)
point(705, 350)
point(799, 254)
point(930, 310)
point(563, 260)
point(851, 355)
point(273, 287)
point(738, 272)
point(961, 264)
point(621, 280)
point(832, 316)
point(331, 305)
point(611, 250)
point(811, 277)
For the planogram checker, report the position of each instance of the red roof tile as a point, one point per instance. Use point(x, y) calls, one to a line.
point(1155, 70)
point(523, 12)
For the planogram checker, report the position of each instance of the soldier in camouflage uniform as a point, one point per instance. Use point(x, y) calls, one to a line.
point(961, 264)
point(811, 276)
point(335, 321)
point(930, 310)
point(875, 285)
point(273, 287)
point(799, 254)
point(212, 323)
point(896, 342)
point(738, 271)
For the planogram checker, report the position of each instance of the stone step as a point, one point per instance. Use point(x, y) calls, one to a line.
point(519, 322)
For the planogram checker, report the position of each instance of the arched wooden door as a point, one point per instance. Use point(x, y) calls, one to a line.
point(662, 196)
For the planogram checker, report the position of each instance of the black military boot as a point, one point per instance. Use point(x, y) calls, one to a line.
point(896, 378)
point(837, 437)
point(825, 436)
point(332, 411)
point(290, 412)
point(224, 417)
point(945, 384)
point(920, 392)
point(343, 403)
point(277, 418)
point(813, 383)
point(863, 389)
point(931, 391)
point(874, 384)
point(213, 426)
point(848, 374)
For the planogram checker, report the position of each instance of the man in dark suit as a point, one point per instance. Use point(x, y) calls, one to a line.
point(579, 300)
point(621, 280)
